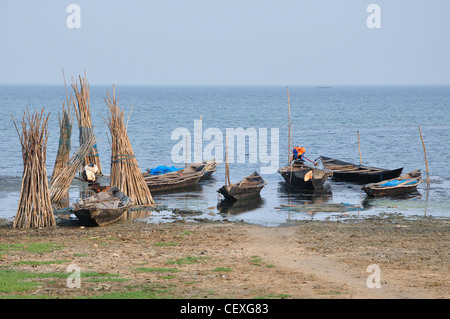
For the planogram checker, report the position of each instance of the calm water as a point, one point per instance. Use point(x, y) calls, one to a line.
point(325, 121)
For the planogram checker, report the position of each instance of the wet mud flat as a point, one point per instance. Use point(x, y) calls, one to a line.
point(223, 259)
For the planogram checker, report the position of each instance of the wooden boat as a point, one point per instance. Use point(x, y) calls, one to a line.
point(397, 186)
point(102, 208)
point(350, 172)
point(207, 167)
point(248, 187)
point(302, 176)
point(186, 177)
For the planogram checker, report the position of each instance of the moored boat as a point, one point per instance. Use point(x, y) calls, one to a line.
point(248, 187)
point(404, 184)
point(303, 176)
point(102, 208)
point(171, 181)
point(350, 172)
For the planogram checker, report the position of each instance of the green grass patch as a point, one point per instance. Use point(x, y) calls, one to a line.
point(31, 247)
point(12, 281)
point(187, 260)
point(152, 291)
point(37, 263)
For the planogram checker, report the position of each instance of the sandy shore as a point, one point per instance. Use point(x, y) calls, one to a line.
point(310, 259)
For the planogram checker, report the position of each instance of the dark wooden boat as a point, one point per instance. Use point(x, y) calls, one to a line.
point(102, 208)
point(303, 176)
point(207, 167)
point(248, 187)
point(404, 184)
point(350, 172)
point(177, 180)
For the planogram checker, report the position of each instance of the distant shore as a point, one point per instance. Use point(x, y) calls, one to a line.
point(221, 259)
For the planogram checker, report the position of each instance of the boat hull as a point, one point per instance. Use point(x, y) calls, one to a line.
point(236, 193)
point(98, 217)
point(162, 185)
point(405, 184)
point(349, 172)
point(296, 177)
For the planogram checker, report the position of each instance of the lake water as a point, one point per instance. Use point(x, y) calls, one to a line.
point(324, 120)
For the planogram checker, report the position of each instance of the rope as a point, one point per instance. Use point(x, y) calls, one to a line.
point(122, 157)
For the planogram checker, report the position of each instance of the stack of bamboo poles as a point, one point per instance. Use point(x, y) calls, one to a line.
point(65, 133)
point(63, 179)
point(35, 208)
point(83, 113)
point(125, 172)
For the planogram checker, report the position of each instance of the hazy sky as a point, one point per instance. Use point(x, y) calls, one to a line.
point(215, 42)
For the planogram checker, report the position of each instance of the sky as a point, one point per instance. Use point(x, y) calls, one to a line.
point(226, 42)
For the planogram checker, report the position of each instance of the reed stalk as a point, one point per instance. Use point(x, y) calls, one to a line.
point(83, 114)
point(65, 133)
point(35, 209)
point(63, 179)
point(125, 172)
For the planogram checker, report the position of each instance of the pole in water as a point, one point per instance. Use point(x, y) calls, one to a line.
point(425, 154)
point(359, 148)
point(289, 141)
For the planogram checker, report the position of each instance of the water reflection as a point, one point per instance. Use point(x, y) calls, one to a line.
point(129, 214)
point(370, 202)
point(234, 207)
point(315, 196)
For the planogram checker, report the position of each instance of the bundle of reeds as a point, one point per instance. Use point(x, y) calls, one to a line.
point(125, 172)
point(65, 133)
point(63, 179)
point(83, 113)
point(35, 208)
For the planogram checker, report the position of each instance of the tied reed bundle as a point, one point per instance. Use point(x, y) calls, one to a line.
point(63, 179)
point(83, 113)
point(65, 133)
point(125, 172)
point(35, 208)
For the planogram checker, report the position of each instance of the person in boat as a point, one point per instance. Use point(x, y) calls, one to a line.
point(297, 153)
point(89, 172)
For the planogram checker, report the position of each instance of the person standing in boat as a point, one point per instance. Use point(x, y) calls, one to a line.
point(297, 153)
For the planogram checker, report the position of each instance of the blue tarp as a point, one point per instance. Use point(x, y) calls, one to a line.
point(396, 182)
point(162, 170)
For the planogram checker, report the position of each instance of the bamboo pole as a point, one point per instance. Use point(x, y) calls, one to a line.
point(289, 133)
point(83, 113)
point(34, 209)
point(227, 168)
point(198, 142)
point(425, 154)
point(359, 148)
point(61, 182)
point(185, 164)
point(125, 172)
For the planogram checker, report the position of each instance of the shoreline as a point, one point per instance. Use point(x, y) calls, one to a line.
point(223, 259)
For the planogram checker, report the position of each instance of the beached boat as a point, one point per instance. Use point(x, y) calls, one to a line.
point(248, 187)
point(303, 176)
point(350, 172)
point(171, 181)
point(102, 208)
point(404, 184)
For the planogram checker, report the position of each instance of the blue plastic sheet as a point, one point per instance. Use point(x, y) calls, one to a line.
point(159, 170)
point(396, 182)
